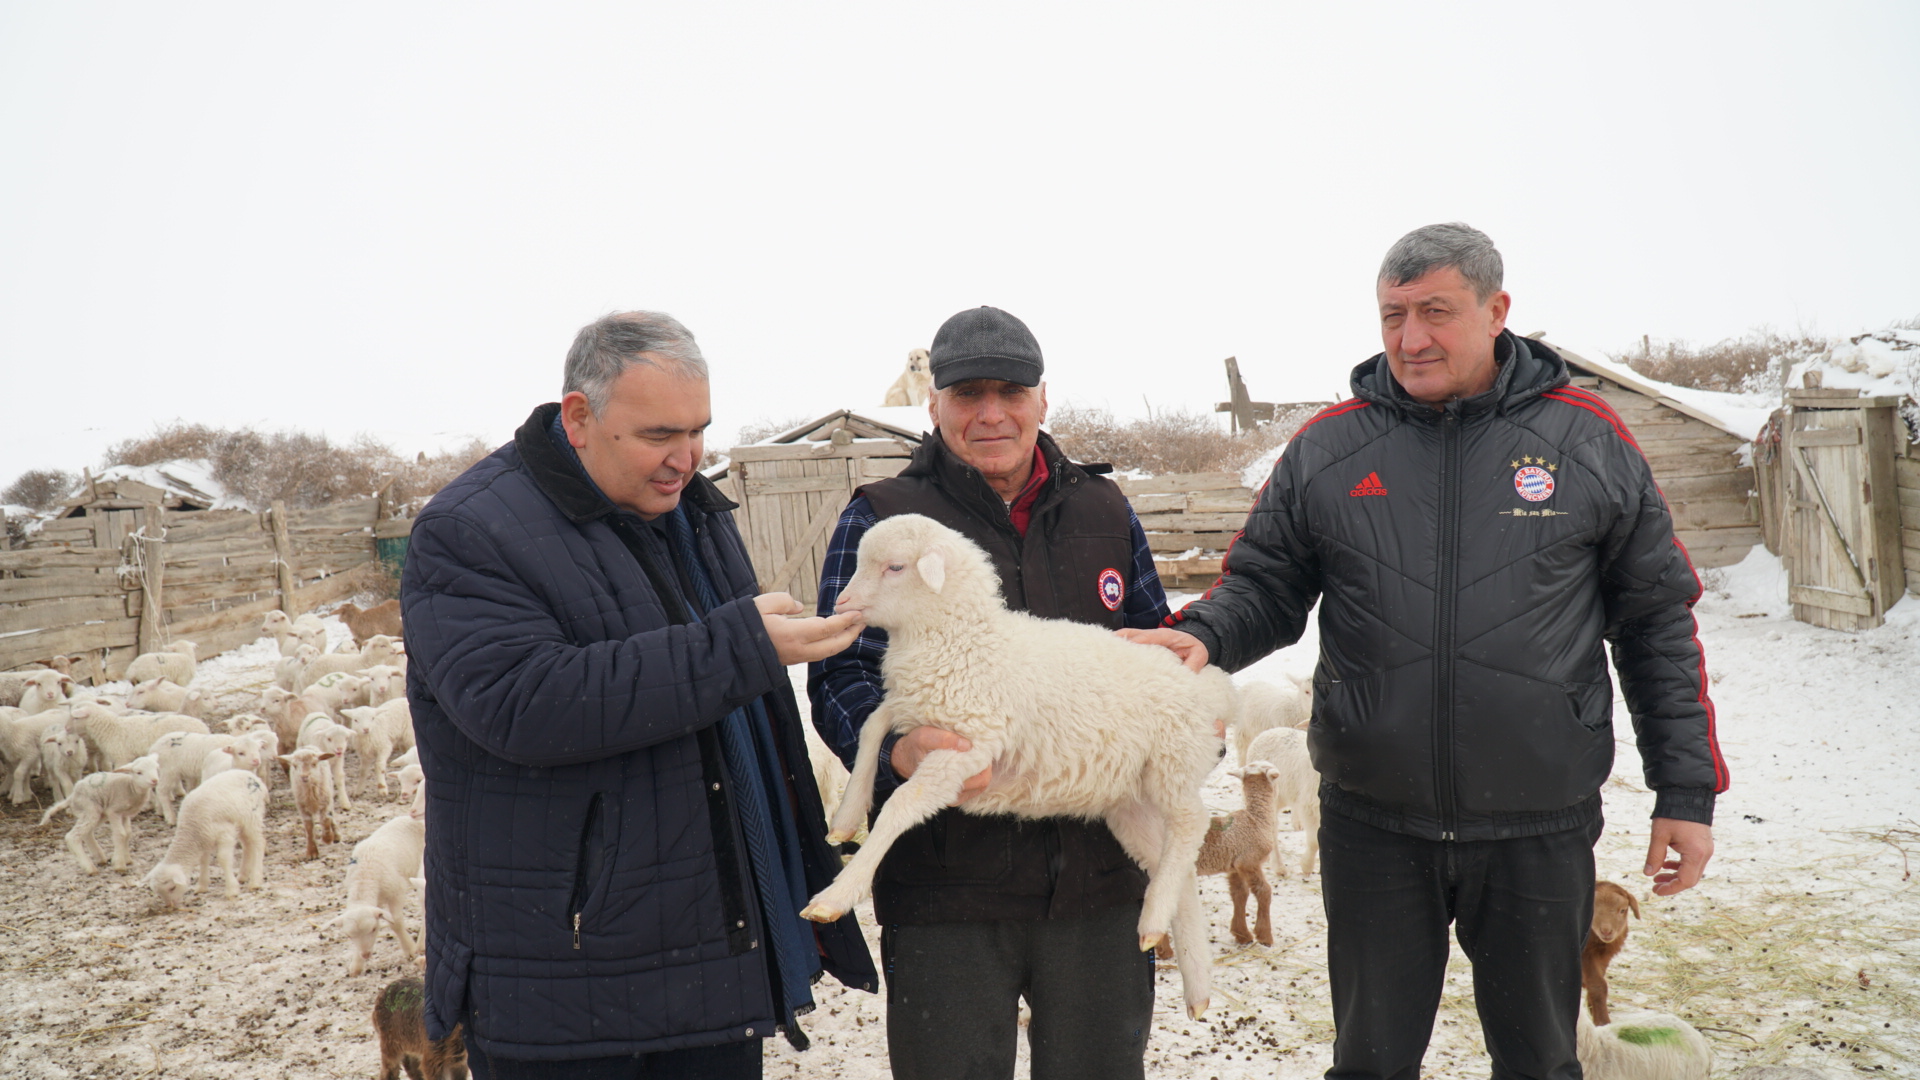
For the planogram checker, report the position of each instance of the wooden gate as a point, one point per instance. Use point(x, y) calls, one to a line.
point(1843, 537)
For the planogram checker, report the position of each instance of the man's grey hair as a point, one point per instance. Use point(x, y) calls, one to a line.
point(605, 348)
point(1436, 247)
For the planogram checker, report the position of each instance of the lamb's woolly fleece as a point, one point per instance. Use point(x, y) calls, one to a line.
point(1647, 1046)
point(1074, 721)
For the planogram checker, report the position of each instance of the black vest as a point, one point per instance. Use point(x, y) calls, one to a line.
point(960, 867)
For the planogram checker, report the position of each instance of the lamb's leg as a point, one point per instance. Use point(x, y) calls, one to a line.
point(340, 783)
point(225, 851)
point(164, 796)
point(312, 851)
point(1237, 884)
point(121, 828)
point(253, 852)
point(1263, 893)
point(1309, 819)
point(851, 814)
point(80, 841)
point(332, 831)
point(396, 920)
point(1186, 829)
point(1593, 975)
point(931, 788)
point(20, 795)
point(1194, 956)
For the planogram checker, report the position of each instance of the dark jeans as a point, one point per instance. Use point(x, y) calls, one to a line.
point(1521, 909)
point(728, 1061)
point(954, 990)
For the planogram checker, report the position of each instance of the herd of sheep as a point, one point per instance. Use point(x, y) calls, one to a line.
point(106, 760)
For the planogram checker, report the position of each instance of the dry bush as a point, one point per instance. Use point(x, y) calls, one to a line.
point(766, 427)
point(1754, 363)
point(1175, 441)
point(40, 489)
point(297, 467)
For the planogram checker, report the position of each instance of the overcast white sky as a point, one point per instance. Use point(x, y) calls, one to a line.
point(391, 218)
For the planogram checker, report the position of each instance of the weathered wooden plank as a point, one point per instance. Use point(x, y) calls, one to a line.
point(1734, 484)
point(326, 591)
point(1193, 522)
point(355, 512)
point(394, 527)
point(59, 587)
point(1831, 436)
point(72, 558)
point(219, 620)
point(1221, 502)
point(61, 613)
point(1691, 464)
point(796, 484)
point(241, 585)
point(822, 450)
point(233, 566)
point(1833, 600)
point(1711, 513)
point(1181, 483)
point(215, 642)
point(1907, 469)
point(192, 551)
point(1744, 536)
point(330, 564)
point(1205, 541)
point(43, 644)
point(1712, 556)
point(879, 468)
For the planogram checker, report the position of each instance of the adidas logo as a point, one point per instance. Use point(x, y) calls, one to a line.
point(1370, 486)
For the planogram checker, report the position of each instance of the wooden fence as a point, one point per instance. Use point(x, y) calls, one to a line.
point(1182, 512)
point(108, 585)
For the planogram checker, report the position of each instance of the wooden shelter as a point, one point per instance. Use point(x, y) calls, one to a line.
point(1701, 463)
point(792, 487)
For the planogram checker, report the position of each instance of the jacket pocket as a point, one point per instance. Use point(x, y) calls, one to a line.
point(1592, 704)
point(591, 864)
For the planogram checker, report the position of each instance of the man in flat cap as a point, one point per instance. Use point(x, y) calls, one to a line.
point(978, 912)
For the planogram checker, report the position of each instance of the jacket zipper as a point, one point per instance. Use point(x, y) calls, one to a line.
point(1443, 632)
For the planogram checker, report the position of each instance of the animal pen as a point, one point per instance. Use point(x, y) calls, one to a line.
point(792, 487)
point(126, 568)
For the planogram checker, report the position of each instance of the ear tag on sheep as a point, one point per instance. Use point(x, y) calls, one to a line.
point(933, 569)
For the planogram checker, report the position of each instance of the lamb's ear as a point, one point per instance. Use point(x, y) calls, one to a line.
point(1633, 903)
point(933, 569)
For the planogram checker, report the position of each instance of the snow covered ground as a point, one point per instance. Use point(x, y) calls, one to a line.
point(1802, 946)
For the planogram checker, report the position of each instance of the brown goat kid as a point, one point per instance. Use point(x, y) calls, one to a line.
point(1237, 845)
point(400, 1021)
point(378, 619)
point(1611, 903)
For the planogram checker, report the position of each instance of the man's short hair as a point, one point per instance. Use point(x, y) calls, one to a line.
point(1436, 247)
point(604, 349)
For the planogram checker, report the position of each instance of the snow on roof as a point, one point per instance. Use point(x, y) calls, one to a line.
point(187, 478)
point(1740, 415)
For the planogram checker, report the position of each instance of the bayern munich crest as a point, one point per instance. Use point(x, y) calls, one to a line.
point(1534, 483)
point(1112, 588)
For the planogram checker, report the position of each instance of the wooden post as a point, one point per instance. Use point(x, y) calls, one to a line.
point(283, 555)
point(153, 571)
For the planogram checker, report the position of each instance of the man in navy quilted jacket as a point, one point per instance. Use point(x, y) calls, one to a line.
point(621, 823)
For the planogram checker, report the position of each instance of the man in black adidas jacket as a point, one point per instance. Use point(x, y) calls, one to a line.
point(1477, 529)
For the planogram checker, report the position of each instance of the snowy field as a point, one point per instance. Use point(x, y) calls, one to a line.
point(1802, 946)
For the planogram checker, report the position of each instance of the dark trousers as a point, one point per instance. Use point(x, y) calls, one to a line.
point(954, 990)
point(728, 1061)
point(1521, 909)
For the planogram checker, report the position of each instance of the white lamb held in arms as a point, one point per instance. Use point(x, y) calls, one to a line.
point(229, 808)
point(1074, 721)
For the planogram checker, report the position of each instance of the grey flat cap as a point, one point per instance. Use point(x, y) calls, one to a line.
point(985, 343)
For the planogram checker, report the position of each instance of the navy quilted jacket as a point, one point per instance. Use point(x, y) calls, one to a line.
point(588, 892)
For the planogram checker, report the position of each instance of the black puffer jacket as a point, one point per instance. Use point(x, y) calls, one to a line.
point(1473, 560)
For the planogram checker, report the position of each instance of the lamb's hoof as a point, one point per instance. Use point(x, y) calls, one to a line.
point(1148, 942)
point(1197, 1009)
point(820, 913)
point(839, 836)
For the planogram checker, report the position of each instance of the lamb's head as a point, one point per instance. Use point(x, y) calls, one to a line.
point(360, 718)
point(274, 698)
point(914, 571)
point(276, 623)
point(185, 648)
point(360, 922)
point(241, 723)
point(146, 766)
point(1611, 903)
point(170, 883)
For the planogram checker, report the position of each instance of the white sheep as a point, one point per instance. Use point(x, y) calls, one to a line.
point(279, 625)
point(312, 784)
point(115, 797)
point(115, 740)
point(285, 710)
point(243, 754)
point(164, 695)
point(411, 776)
point(329, 738)
point(241, 723)
point(176, 662)
point(1264, 706)
point(269, 745)
point(378, 879)
point(227, 809)
point(377, 733)
point(1073, 720)
point(1650, 1046)
point(385, 682)
point(290, 673)
point(12, 685)
point(411, 757)
point(63, 759)
point(45, 690)
point(337, 691)
point(1297, 788)
point(20, 746)
point(182, 756)
point(380, 649)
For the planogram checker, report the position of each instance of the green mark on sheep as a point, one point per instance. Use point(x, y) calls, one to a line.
point(1649, 1036)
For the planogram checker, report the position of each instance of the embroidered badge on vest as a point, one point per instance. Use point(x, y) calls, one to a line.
point(1370, 486)
point(1531, 480)
point(1112, 588)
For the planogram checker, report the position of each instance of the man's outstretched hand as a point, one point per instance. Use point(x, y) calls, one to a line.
point(1694, 844)
point(1183, 645)
point(802, 641)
